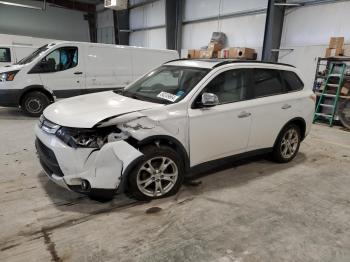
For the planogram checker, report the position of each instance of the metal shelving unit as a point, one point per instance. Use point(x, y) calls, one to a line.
point(323, 68)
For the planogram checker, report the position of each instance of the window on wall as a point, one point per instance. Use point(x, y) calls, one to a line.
point(61, 59)
point(5, 54)
point(267, 82)
point(229, 86)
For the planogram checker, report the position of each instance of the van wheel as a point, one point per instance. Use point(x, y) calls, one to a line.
point(34, 103)
point(159, 174)
point(287, 144)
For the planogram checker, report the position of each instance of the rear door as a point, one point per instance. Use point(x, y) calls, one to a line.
point(273, 105)
point(64, 72)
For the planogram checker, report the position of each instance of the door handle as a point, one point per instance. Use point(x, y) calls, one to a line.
point(244, 114)
point(286, 106)
point(78, 73)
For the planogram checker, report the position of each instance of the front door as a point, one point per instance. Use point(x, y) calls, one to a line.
point(63, 73)
point(221, 130)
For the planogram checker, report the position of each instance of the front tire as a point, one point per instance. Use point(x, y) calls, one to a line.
point(287, 144)
point(34, 103)
point(159, 174)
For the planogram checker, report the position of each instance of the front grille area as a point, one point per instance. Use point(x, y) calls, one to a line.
point(48, 159)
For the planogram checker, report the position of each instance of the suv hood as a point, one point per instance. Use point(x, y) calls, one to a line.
point(9, 68)
point(87, 110)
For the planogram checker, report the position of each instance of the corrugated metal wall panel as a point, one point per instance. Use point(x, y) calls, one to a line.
point(149, 38)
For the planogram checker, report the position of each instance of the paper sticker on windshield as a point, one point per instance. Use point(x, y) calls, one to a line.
point(167, 96)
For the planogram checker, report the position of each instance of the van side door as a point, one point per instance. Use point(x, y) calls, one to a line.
point(273, 105)
point(107, 68)
point(62, 71)
point(222, 130)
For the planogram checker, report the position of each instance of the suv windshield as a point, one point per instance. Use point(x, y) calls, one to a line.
point(32, 56)
point(166, 84)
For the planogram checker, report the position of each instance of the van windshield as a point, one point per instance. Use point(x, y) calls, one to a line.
point(166, 84)
point(32, 56)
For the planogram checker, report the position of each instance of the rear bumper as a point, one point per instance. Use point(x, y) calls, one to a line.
point(9, 97)
point(68, 167)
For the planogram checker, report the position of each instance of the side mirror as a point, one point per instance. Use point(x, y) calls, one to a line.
point(209, 99)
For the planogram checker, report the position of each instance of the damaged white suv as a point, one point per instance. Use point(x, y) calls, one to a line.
point(186, 113)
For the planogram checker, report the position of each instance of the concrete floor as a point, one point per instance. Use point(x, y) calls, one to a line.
point(252, 211)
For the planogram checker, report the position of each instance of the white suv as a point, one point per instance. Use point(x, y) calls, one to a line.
point(186, 113)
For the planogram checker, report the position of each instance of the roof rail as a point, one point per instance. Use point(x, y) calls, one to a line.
point(221, 62)
point(249, 61)
point(174, 60)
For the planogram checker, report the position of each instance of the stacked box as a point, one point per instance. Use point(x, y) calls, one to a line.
point(336, 47)
point(215, 45)
point(238, 53)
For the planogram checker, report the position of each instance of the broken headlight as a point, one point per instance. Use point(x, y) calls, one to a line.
point(89, 138)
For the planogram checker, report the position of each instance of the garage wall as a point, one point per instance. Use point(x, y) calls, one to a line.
point(150, 15)
point(54, 23)
point(307, 30)
point(241, 31)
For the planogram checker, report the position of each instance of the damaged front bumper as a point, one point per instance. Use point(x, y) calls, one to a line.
point(68, 167)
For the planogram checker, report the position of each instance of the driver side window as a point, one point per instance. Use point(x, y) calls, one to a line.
point(60, 59)
point(229, 86)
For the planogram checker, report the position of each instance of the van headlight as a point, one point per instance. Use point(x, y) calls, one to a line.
point(8, 76)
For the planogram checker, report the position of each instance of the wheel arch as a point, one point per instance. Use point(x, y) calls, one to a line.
point(300, 122)
point(169, 141)
point(32, 88)
point(153, 140)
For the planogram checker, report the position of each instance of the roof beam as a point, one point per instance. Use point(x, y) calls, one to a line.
point(73, 5)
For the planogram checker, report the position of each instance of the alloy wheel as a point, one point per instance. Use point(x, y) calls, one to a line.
point(289, 143)
point(157, 176)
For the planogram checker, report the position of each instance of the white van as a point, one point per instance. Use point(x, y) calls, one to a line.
point(65, 69)
point(10, 54)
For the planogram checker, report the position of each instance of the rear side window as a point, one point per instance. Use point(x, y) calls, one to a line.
point(5, 54)
point(267, 82)
point(293, 82)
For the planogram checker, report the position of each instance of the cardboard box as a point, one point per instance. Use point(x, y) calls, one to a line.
point(215, 46)
point(336, 42)
point(346, 50)
point(193, 53)
point(345, 90)
point(330, 52)
point(223, 53)
point(241, 52)
point(207, 54)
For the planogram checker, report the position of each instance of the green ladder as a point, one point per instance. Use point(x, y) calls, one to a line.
point(334, 96)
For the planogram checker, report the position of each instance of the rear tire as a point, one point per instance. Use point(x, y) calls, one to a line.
point(159, 174)
point(34, 103)
point(287, 144)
